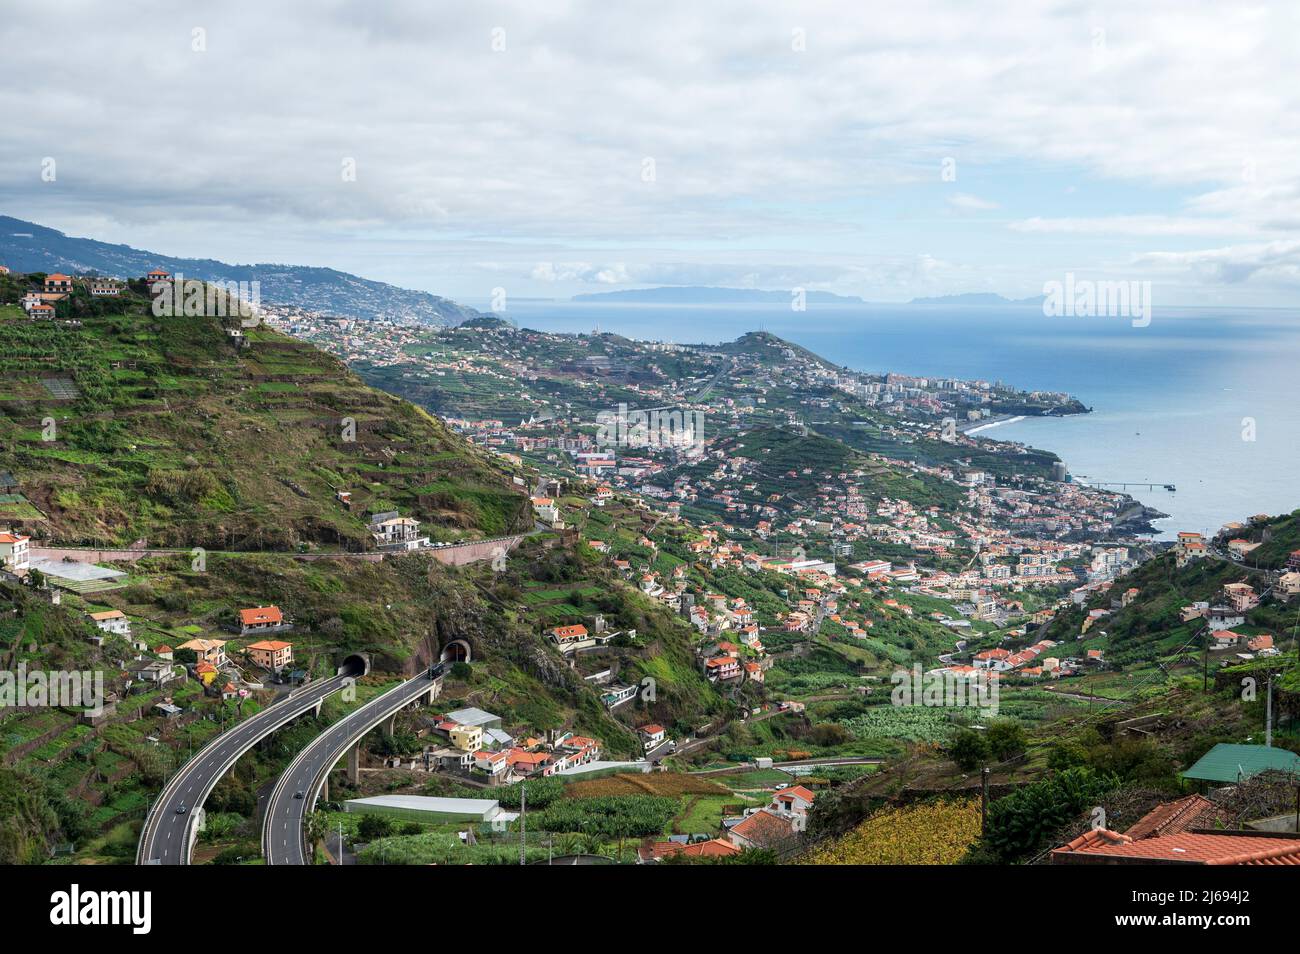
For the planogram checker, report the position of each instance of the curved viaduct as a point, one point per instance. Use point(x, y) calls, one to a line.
point(295, 794)
point(168, 833)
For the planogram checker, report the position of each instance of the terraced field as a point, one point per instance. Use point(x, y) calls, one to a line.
point(130, 427)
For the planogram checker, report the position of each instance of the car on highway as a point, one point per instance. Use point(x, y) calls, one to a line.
point(180, 810)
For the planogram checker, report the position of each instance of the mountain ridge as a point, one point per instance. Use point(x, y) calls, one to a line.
point(29, 247)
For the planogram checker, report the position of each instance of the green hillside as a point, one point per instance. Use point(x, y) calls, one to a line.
point(1278, 537)
point(126, 427)
point(168, 430)
point(788, 462)
point(1151, 627)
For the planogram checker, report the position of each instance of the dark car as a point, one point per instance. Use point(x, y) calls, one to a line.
point(181, 810)
point(297, 794)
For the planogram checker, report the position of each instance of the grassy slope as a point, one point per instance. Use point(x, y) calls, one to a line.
point(182, 439)
point(1151, 627)
point(1278, 538)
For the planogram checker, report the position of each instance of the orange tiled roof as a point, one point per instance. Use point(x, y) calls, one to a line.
point(261, 614)
point(1194, 811)
point(570, 632)
point(713, 848)
point(763, 827)
point(202, 645)
point(1186, 847)
point(796, 790)
point(270, 645)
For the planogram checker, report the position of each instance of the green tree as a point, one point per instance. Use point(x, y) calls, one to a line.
point(1019, 824)
point(969, 749)
point(374, 826)
point(316, 826)
point(1006, 739)
point(829, 734)
point(1066, 754)
point(1135, 760)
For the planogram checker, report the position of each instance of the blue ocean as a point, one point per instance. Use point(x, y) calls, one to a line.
point(1205, 399)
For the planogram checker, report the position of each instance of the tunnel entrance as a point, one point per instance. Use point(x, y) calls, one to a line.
point(355, 665)
point(457, 650)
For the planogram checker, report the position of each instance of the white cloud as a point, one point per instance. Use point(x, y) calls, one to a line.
point(963, 202)
point(1138, 225)
point(237, 151)
point(1272, 262)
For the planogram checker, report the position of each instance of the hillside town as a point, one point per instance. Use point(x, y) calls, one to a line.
point(792, 547)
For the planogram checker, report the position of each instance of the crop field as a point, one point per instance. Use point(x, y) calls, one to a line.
point(935, 833)
point(912, 723)
point(668, 784)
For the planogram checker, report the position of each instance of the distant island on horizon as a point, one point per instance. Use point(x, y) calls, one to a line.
point(976, 298)
point(711, 295)
point(722, 295)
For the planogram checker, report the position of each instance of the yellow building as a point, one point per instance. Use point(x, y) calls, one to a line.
point(467, 738)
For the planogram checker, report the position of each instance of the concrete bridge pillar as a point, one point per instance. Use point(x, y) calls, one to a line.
point(390, 725)
point(325, 790)
point(435, 690)
point(317, 707)
point(354, 764)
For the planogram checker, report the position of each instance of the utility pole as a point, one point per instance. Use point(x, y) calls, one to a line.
point(523, 821)
point(984, 799)
point(1268, 714)
point(1205, 661)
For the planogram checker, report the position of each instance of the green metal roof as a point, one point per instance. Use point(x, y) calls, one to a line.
point(1232, 763)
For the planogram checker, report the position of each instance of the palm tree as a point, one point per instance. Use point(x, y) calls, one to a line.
point(317, 827)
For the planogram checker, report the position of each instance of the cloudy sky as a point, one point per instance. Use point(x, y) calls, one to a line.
point(549, 148)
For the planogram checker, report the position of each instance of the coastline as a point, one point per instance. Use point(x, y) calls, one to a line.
point(995, 421)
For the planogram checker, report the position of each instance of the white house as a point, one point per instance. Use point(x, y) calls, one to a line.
point(112, 621)
point(651, 735)
point(394, 532)
point(13, 552)
point(548, 512)
point(496, 765)
point(152, 670)
point(793, 803)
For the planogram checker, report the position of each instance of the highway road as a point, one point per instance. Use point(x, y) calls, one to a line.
point(166, 838)
point(295, 794)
